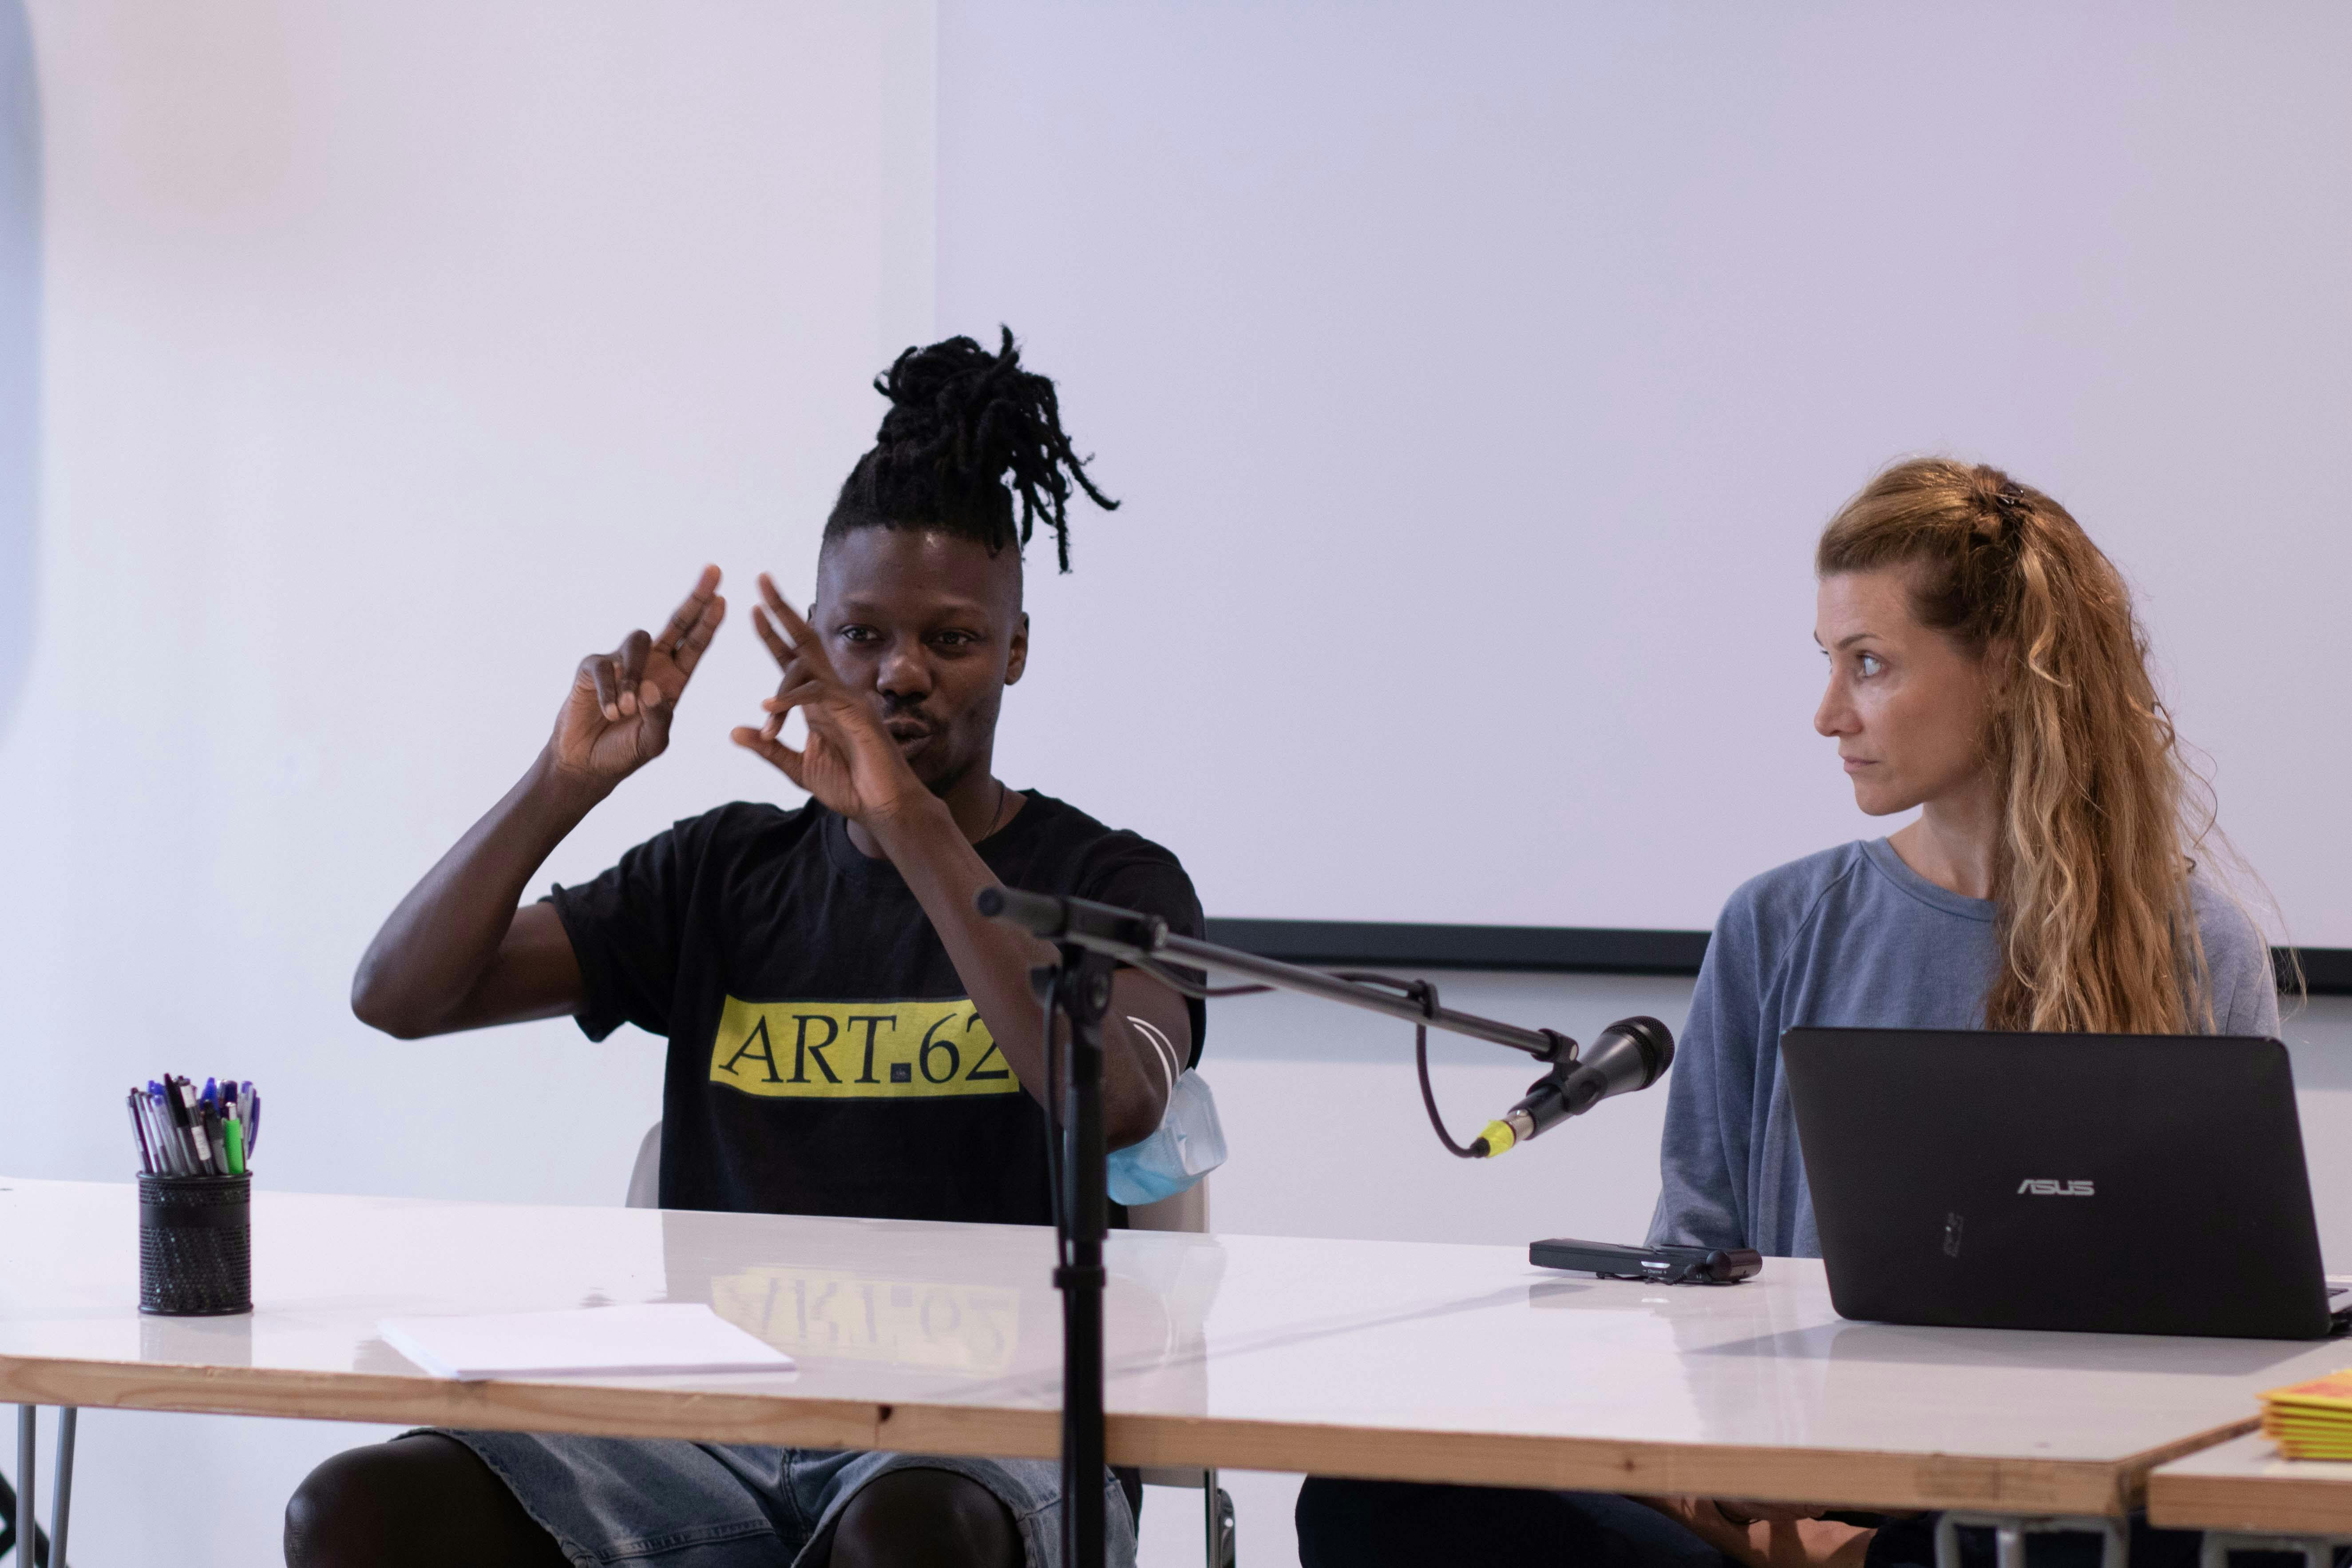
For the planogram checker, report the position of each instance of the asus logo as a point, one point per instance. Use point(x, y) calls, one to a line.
point(2048, 1189)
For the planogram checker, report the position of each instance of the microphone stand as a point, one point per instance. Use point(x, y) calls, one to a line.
point(1092, 941)
point(1079, 989)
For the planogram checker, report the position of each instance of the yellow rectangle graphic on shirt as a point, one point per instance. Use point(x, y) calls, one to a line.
point(858, 1050)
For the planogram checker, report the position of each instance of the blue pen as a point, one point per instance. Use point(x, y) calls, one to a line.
point(175, 1137)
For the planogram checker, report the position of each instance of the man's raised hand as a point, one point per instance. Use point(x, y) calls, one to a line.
point(617, 715)
point(849, 762)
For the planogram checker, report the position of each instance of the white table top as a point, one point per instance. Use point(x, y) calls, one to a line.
point(1367, 1358)
point(2244, 1484)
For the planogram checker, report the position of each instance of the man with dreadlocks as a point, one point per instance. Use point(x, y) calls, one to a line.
point(847, 1035)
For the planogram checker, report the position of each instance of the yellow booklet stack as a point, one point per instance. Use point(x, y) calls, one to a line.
point(2311, 1420)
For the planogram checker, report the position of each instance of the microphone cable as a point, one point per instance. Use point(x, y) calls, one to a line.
point(1197, 989)
point(1423, 993)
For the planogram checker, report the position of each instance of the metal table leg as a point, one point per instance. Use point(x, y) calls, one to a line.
point(61, 1501)
point(25, 1524)
point(2009, 1532)
point(2316, 1551)
point(1216, 1522)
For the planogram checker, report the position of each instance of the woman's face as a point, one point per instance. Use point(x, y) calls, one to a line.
point(1905, 702)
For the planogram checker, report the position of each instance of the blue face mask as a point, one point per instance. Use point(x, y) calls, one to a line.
point(1187, 1146)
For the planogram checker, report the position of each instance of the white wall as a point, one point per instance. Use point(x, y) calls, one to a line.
point(20, 302)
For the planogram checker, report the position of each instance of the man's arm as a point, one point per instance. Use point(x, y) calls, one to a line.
point(993, 960)
point(457, 953)
point(852, 765)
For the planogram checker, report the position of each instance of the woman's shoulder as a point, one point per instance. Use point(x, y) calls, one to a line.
point(2238, 965)
point(2223, 921)
point(1766, 917)
point(1784, 896)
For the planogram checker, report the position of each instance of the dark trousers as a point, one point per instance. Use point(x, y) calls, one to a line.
point(1394, 1524)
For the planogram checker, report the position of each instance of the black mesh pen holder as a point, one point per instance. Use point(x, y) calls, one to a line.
point(195, 1246)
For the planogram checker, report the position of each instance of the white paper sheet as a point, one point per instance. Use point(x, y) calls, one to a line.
point(619, 1340)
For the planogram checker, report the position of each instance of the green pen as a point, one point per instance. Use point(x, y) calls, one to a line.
point(232, 1134)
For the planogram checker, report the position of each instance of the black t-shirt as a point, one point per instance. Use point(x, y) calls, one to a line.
point(824, 1055)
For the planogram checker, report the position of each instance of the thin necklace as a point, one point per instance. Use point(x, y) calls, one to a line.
point(996, 819)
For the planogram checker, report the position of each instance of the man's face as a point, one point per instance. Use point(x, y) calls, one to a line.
point(929, 627)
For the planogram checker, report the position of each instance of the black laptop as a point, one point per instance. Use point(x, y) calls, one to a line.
point(2115, 1183)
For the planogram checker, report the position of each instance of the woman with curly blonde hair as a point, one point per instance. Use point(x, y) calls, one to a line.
point(1986, 668)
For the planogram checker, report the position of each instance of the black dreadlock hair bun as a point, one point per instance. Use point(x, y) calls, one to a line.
point(966, 430)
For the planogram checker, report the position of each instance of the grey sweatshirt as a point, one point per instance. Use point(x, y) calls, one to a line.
point(1853, 937)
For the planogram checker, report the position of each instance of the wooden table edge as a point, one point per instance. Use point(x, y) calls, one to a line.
point(1866, 1478)
point(2260, 1505)
point(708, 1416)
point(1862, 1479)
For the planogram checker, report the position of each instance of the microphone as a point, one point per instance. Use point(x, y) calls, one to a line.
point(1630, 1054)
point(1064, 920)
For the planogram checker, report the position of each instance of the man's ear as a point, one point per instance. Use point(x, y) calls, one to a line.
point(1016, 657)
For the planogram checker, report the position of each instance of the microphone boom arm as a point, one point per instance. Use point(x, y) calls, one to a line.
point(1145, 941)
point(1541, 1044)
point(1146, 944)
point(1631, 1054)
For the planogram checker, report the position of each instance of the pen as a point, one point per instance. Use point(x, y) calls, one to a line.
point(181, 1096)
point(168, 1158)
point(176, 1143)
point(146, 1155)
point(207, 1148)
point(167, 1095)
point(207, 1136)
point(213, 1137)
point(234, 1139)
point(195, 1121)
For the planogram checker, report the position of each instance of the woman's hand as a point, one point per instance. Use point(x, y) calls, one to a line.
point(617, 717)
point(850, 762)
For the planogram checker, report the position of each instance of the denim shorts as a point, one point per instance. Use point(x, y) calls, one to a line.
point(724, 1505)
